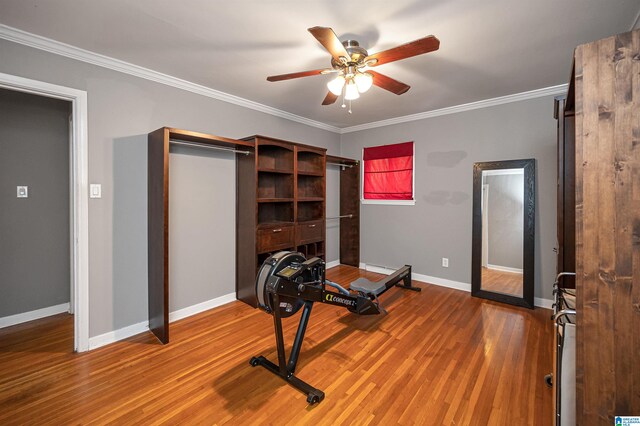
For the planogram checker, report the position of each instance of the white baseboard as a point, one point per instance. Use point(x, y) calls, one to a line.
point(542, 303)
point(442, 282)
point(201, 307)
point(505, 268)
point(131, 330)
point(119, 334)
point(33, 315)
point(332, 264)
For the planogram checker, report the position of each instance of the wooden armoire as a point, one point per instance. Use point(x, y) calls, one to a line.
point(602, 142)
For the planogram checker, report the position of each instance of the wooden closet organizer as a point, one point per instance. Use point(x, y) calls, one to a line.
point(280, 205)
point(349, 209)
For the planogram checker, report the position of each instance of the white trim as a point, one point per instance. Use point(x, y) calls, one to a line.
point(201, 307)
point(141, 327)
point(119, 334)
point(505, 268)
point(500, 172)
point(79, 194)
point(442, 282)
point(332, 264)
point(543, 303)
point(66, 50)
point(390, 202)
point(532, 94)
point(38, 42)
point(33, 315)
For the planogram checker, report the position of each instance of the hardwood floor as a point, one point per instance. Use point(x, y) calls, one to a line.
point(502, 282)
point(438, 357)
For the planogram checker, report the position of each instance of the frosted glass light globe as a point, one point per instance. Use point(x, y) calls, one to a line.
point(351, 92)
point(363, 81)
point(335, 85)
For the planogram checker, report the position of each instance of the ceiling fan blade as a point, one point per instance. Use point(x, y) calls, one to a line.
point(414, 48)
point(388, 83)
point(329, 99)
point(330, 41)
point(295, 75)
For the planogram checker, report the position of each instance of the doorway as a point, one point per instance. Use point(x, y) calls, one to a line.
point(75, 249)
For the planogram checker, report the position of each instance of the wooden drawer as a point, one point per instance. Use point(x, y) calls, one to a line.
point(309, 232)
point(274, 238)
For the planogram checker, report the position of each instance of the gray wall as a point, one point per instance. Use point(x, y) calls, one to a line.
point(202, 232)
point(34, 231)
point(122, 110)
point(506, 220)
point(439, 225)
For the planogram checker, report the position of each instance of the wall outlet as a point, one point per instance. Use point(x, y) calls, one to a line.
point(95, 190)
point(445, 262)
point(22, 192)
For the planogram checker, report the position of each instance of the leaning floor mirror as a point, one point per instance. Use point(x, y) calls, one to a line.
point(504, 231)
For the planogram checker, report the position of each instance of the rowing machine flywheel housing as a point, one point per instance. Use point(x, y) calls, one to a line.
point(267, 279)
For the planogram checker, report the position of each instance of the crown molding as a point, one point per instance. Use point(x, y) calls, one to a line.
point(532, 94)
point(32, 40)
point(42, 43)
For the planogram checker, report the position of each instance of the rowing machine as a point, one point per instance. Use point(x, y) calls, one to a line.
point(287, 282)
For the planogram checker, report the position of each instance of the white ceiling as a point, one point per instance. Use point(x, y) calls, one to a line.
point(488, 48)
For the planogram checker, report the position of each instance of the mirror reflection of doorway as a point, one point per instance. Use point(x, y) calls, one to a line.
point(502, 220)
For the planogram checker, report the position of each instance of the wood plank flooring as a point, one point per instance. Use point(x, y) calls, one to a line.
point(502, 282)
point(438, 357)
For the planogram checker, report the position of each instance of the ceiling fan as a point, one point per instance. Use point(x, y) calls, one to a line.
point(352, 63)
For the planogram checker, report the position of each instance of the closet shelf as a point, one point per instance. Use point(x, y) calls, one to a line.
point(274, 200)
point(273, 224)
point(311, 173)
point(309, 199)
point(280, 171)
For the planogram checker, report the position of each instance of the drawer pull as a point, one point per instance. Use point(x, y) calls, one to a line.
point(312, 226)
point(277, 230)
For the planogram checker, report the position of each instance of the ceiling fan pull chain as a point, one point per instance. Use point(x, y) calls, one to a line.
point(343, 90)
point(349, 106)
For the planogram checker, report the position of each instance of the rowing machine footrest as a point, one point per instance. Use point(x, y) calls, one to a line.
point(368, 287)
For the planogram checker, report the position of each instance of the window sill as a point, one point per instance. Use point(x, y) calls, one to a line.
point(390, 202)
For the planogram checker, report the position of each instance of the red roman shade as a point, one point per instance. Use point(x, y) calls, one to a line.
point(388, 172)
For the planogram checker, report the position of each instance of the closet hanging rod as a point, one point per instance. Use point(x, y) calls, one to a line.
point(202, 145)
point(340, 217)
point(340, 164)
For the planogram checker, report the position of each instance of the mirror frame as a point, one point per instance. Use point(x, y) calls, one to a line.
point(529, 166)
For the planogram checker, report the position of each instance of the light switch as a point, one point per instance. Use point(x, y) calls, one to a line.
point(23, 192)
point(95, 190)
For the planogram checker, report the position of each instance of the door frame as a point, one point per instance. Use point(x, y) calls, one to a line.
point(79, 194)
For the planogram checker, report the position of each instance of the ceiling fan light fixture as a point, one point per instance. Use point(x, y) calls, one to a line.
point(363, 81)
point(351, 92)
point(335, 86)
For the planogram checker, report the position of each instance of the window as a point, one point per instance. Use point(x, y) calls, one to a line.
point(387, 174)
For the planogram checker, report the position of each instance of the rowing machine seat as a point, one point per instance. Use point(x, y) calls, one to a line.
point(368, 287)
